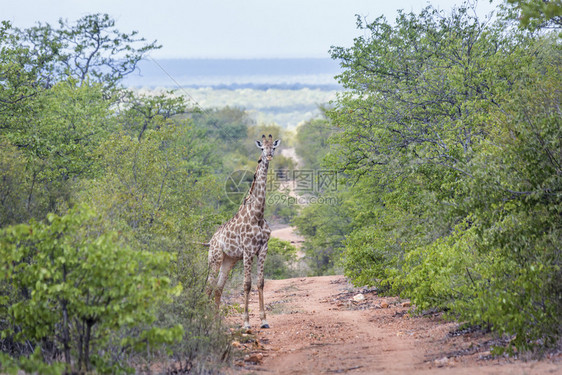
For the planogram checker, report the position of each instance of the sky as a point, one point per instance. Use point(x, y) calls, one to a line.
point(239, 29)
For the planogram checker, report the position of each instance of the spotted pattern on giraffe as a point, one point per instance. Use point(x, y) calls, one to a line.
point(244, 237)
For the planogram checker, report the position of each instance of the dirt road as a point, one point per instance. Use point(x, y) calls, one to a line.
point(322, 325)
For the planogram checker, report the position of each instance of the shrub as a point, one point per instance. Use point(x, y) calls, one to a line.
point(281, 256)
point(71, 292)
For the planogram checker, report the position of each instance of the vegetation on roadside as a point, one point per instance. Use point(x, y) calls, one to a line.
point(447, 141)
point(104, 193)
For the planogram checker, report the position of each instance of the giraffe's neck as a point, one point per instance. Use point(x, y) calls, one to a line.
point(256, 195)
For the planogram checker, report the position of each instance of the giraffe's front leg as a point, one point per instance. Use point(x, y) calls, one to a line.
point(261, 264)
point(247, 289)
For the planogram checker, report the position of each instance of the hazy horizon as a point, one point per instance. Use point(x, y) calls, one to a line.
point(256, 73)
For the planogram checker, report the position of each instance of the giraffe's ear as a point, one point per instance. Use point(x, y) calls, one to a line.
point(259, 144)
point(276, 143)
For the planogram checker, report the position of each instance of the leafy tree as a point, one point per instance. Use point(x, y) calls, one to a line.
point(517, 220)
point(145, 111)
point(448, 135)
point(69, 135)
point(57, 138)
point(535, 14)
point(19, 71)
point(312, 143)
point(91, 48)
point(55, 103)
point(151, 187)
point(72, 122)
point(410, 121)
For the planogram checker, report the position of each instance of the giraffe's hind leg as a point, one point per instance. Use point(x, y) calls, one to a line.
point(247, 289)
point(227, 265)
point(215, 262)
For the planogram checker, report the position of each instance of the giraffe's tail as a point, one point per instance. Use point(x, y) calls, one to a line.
point(206, 244)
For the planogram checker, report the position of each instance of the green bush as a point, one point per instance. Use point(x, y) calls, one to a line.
point(205, 344)
point(280, 261)
point(73, 291)
point(324, 225)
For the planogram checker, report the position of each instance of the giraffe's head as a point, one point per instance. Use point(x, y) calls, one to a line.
point(268, 146)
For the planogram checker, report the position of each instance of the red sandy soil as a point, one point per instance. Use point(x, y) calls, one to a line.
point(317, 327)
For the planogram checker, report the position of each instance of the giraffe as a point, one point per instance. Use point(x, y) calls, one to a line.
point(244, 236)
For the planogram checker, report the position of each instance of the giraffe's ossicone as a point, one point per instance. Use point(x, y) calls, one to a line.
point(244, 237)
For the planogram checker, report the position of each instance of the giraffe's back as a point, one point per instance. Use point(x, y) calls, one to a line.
point(234, 239)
